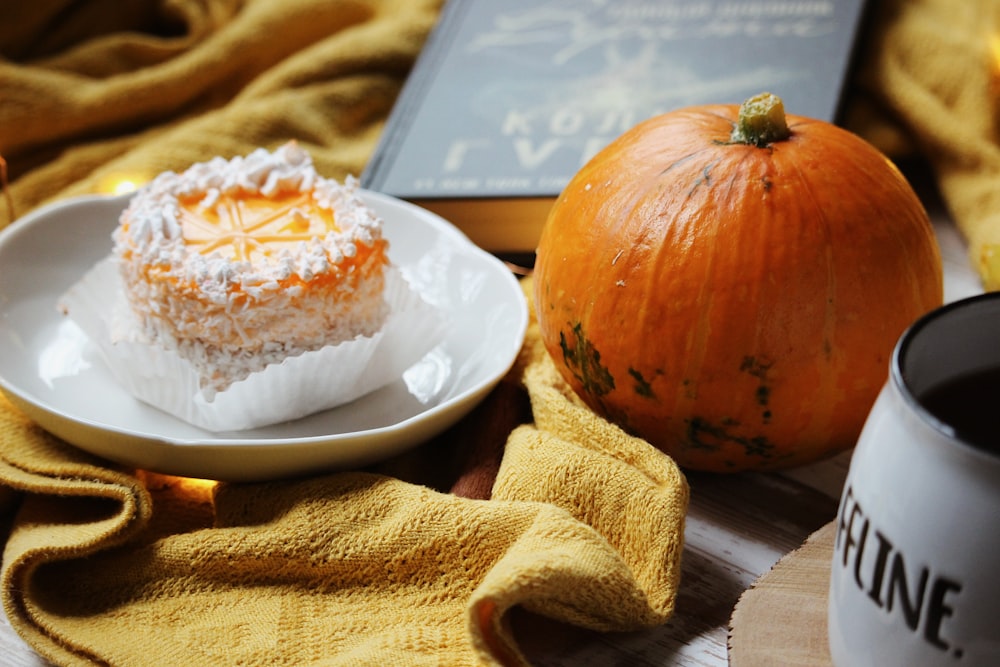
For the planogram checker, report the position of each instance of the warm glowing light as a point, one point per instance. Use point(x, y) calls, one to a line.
point(191, 488)
point(120, 183)
point(198, 484)
point(6, 192)
point(123, 186)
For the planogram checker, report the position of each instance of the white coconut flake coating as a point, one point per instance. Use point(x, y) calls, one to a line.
point(240, 263)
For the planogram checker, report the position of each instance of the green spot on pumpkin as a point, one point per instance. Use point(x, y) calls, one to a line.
point(642, 386)
point(762, 395)
point(584, 361)
point(755, 367)
point(702, 434)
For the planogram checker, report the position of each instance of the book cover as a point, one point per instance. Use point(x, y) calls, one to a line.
point(509, 99)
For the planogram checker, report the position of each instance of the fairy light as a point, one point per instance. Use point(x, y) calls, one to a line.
point(124, 186)
point(120, 183)
point(994, 48)
point(6, 190)
point(198, 486)
point(192, 489)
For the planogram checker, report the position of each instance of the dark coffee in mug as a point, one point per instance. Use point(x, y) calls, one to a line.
point(970, 405)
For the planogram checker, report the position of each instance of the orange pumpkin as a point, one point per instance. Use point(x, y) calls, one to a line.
point(729, 283)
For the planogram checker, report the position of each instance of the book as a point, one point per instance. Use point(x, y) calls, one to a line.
point(508, 100)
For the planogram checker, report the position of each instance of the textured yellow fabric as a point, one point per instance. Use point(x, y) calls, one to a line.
point(928, 84)
point(585, 524)
point(91, 92)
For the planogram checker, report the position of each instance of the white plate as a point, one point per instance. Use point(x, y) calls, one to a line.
point(50, 370)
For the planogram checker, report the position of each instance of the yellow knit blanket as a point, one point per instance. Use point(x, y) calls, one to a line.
point(928, 84)
point(582, 523)
point(418, 560)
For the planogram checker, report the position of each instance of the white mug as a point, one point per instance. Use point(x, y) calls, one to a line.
point(915, 577)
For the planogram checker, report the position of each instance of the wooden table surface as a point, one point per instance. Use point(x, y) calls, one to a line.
point(738, 527)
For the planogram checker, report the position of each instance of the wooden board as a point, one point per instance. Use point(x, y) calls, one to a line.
point(781, 619)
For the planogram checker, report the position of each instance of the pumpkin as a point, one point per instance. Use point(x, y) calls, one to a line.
point(729, 283)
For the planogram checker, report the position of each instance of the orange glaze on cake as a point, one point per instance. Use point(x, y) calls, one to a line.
point(246, 227)
point(240, 264)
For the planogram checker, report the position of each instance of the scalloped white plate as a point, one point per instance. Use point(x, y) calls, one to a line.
point(51, 371)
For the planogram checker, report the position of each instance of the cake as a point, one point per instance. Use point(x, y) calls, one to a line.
point(241, 263)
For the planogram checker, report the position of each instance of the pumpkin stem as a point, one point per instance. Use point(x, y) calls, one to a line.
point(761, 121)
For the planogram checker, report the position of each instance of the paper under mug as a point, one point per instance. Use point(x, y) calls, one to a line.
point(915, 577)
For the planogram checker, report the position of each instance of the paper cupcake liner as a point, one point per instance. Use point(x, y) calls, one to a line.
point(294, 388)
